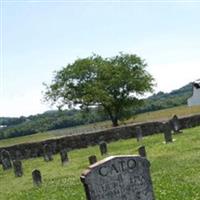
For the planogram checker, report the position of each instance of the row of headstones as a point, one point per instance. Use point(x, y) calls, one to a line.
point(123, 177)
point(172, 125)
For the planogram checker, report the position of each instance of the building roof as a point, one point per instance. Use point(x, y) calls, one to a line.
point(196, 84)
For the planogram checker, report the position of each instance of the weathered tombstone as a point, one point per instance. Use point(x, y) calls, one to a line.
point(37, 178)
point(92, 159)
point(64, 156)
point(167, 133)
point(119, 178)
point(175, 124)
point(17, 166)
point(142, 151)
point(47, 153)
point(6, 160)
point(103, 148)
point(138, 132)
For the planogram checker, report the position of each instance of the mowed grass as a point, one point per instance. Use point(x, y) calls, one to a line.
point(150, 116)
point(175, 170)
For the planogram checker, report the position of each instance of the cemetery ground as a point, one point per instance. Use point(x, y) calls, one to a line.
point(175, 170)
point(144, 117)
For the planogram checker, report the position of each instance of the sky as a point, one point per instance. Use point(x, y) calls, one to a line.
point(40, 37)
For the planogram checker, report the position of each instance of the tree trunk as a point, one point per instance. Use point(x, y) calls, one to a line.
point(113, 118)
point(115, 122)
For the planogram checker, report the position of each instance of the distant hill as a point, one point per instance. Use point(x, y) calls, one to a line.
point(51, 120)
point(163, 100)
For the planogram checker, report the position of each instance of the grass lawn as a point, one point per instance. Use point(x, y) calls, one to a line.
point(175, 170)
point(150, 116)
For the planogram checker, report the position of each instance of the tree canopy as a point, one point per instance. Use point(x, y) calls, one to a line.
point(112, 84)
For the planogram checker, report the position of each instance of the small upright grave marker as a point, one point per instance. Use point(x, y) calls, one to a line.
point(142, 151)
point(92, 159)
point(64, 156)
point(167, 133)
point(175, 124)
point(47, 153)
point(138, 132)
point(119, 178)
point(6, 160)
point(17, 166)
point(37, 178)
point(103, 148)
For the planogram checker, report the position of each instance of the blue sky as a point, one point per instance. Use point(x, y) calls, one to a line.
point(39, 37)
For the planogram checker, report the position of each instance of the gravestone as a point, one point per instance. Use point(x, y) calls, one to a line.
point(103, 148)
point(47, 153)
point(6, 160)
point(167, 133)
point(142, 151)
point(64, 156)
point(37, 178)
point(138, 132)
point(175, 124)
point(17, 166)
point(119, 178)
point(92, 159)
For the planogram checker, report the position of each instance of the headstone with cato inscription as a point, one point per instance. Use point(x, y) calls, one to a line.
point(37, 178)
point(92, 159)
point(167, 133)
point(64, 156)
point(47, 153)
point(17, 166)
point(119, 178)
point(103, 148)
point(138, 132)
point(6, 160)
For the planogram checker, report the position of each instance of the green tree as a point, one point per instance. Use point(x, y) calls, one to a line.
point(113, 84)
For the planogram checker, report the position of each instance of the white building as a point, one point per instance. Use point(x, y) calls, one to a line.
point(195, 98)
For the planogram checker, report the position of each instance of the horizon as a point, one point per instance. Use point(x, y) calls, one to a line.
point(39, 37)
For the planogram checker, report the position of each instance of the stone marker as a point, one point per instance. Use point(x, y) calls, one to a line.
point(64, 156)
point(138, 132)
point(175, 124)
point(47, 153)
point(103, 148)
point(167, 133)
point(17, 166)
point(92, 159)
point(142, 151)
point(37, 178)
point(6, 160)
point(119, 178)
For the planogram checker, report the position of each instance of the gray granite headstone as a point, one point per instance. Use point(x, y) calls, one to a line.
point(142, 151)
point(64, 156)
point(167, 133)
point(47, 152)
point(37, 178)
point(119, 178)
point(92, 159)
point(103, 148)
point(17, 166)
point(138, 132)
point(6, 160)
point(175, 124)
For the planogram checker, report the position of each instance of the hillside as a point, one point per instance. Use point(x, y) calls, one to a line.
point(53, 120)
